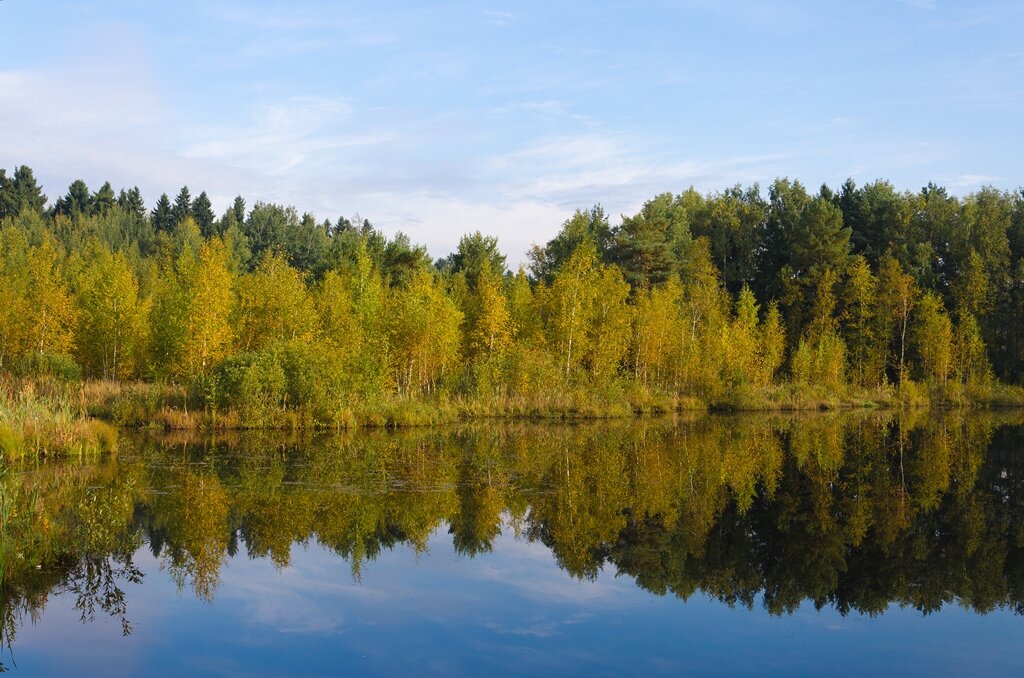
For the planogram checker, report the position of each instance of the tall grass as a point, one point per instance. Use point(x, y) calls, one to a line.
point(49, 417)
point(39, 420)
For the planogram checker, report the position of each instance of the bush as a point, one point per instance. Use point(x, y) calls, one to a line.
point(57, 366)
point(292, 376)
point(252, 382)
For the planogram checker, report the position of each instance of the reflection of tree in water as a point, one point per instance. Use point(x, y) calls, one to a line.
point(854, 512)
point(94, 582)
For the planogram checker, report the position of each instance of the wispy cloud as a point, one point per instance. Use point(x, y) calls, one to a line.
point(921, 4)
point(282, 135)
point(498, 17)
point(970, 181)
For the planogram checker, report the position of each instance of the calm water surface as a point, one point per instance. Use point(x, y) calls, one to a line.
point(842, 544)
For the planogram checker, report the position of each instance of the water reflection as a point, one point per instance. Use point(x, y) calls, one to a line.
point(855, 512)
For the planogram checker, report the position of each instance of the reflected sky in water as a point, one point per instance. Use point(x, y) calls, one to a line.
point(512, 611)
point(514, 607)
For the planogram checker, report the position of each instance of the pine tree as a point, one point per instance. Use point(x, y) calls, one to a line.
point(650, 244)
point(131, 202)
point(202, 212)
point(102, 200)
point(238, 209)
point(76, 202)
point(182, 208)
point(163, 216)
point(9, 203)
point(27, 193)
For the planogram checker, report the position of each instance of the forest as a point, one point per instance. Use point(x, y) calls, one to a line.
point(740, 299)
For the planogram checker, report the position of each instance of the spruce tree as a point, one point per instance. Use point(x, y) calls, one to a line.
point(202, 212)
point(28, 193)
point(131, 202)
point(182, 206)
point(163, 217)
point(103, 199)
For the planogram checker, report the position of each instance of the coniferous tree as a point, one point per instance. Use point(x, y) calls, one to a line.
point(9, 204)
point(103, 199)
point(696, 296)
point(131, 202)
point(182, 207)
point(475, 252)
point(20, 192)
point(163, 215)
point(76, 202)
point(202, 212)
point(650, 245)
point(238, 209)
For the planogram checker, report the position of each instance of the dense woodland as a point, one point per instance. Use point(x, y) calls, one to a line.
point(712, 298)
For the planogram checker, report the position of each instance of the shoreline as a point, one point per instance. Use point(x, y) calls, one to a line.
point(48, 419)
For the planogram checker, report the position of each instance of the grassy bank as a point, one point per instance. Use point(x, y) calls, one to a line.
point(42, 417)
point(166, 407)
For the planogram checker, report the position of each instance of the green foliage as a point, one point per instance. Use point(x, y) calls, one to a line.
point(693, 299)
point(252, 382)
point(59, 366)
point(933, 339)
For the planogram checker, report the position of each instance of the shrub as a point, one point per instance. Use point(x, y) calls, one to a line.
point(58, 366)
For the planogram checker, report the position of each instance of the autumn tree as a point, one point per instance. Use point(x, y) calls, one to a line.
point(933, 339)
point(112, 320)
point(274, 306)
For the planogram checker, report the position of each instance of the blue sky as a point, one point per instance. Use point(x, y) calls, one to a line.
point(442, 118)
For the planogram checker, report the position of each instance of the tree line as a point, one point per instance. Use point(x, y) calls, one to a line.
point(709, 296)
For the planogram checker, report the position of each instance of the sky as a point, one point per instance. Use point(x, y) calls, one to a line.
point(443, 118)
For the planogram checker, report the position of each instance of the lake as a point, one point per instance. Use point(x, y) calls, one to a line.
point(830, 543)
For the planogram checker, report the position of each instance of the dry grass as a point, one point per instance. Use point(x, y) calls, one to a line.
point(48, 424)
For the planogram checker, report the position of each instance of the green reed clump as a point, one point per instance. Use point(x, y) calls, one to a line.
point(41, 424)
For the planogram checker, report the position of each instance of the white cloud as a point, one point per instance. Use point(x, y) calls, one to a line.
point(497, 17)
point(284, 135)
point(921, 4)
point(970, 181)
